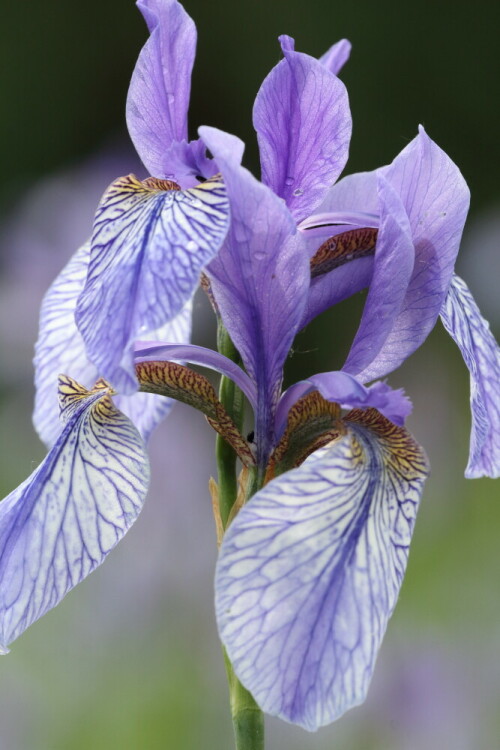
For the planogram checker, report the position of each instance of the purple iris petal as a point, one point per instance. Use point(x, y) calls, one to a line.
point(150, 351)
point(158, 96)
point(60, 348)
point(303, 123)
point(337, 56)
point(464, 323)
point(349, 393)
point(354, 193)
point(260, 279)
point(148, 248)
point(188, 161)
point(436, 200)
point(336, 286)
point(392, 270)
point(310, 570)
point(64, 519)
point(352, 200)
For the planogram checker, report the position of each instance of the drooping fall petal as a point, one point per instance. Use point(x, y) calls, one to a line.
point(481, 353)
point(60, 524)
point(149, 245)
point(60, 348)
point(310, 570)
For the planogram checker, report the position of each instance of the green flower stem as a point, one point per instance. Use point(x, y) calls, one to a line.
point(248, 719)
point(232, 399)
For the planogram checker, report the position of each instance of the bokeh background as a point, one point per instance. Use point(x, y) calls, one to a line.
point(131, 659)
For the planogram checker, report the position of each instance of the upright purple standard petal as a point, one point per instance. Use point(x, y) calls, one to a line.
point(337, 56)
point(354, 193)
point(64, 519)
point(303, 123)
point(337, 285)
point(260, 279)
point(392, 270)
point(436, 200)
point(471, 332)
point(60, 348)
point(158, 96)
point(149, 246)
point(310, 570)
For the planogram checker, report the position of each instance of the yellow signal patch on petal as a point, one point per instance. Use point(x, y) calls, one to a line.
point(312, 422)
point(402, 454)
point(60, 524)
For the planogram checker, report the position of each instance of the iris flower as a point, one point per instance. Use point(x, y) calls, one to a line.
point(316, 543)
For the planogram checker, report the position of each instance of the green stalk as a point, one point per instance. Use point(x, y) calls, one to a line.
point(232, 399)
point(248, 720)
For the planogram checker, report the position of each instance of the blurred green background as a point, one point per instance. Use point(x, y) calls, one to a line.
point(131, 660)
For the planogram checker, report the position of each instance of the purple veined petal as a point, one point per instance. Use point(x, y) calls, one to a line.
point(60, 348)
point(334, 287)
point(260, 280)
point(303, 123)
point(310, 570)
point(436, 200)
point(337, 56)
point(67, 516)
point(349, 393)
point(471, 332)
point(145, 409)
point(148, 248)
point(355, 194)
point(150, 351)
point(158, 97)
point(392, 270)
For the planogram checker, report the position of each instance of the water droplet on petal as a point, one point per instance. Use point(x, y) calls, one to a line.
point(260, 255)
point(170, 98)
point(289, 181)
point(191, 246)
point(298, 192)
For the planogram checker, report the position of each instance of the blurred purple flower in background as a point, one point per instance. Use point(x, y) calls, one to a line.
point(311, 566)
